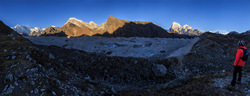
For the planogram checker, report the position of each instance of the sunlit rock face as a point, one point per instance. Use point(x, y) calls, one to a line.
point(176, 27)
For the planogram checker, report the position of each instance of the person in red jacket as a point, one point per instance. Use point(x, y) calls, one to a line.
point(238, 63)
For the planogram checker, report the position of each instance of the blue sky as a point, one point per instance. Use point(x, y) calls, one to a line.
point(212, 15)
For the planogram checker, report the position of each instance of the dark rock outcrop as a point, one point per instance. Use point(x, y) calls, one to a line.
point(5, 30)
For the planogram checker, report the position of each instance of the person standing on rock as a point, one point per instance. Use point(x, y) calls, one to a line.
point(241, 57)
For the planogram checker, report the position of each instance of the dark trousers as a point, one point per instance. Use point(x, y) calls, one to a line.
point(237, 69)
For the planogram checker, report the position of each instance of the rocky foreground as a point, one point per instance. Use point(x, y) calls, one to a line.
point(30, 69)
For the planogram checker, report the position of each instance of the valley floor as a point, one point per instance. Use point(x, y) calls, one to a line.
point(120, 46)
point(216, 84)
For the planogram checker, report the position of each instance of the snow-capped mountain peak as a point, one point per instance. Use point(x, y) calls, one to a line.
point(91, 22)
point(77, 22)
point(186, 29)
point(37, 29)
point(92, 25)
point(17, 26)
point(26, 30)
point(80, 23)
point(176, 27)
point(74, 20)
point(21, 29)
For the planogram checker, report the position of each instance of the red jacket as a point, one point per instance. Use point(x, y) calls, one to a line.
point(239, 55)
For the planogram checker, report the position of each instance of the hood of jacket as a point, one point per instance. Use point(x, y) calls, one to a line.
point(240, 47)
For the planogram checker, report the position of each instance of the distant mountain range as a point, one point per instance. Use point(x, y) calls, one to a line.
point(112, 27)
point(186, 29)
point(24, 30)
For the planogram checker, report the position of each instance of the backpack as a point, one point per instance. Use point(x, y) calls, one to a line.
point(245, 54)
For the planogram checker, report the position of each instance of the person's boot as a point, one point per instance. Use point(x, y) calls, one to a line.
point(230, 87)
point(238, 82)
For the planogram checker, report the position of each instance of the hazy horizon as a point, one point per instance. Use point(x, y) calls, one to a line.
point(206, 15)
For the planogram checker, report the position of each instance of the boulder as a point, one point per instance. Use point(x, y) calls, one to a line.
point(159, 70)
point(175, 83)
point(8, 90)
point(13, 57)
point(51, 56)
point(9, 77)
point(28, 57)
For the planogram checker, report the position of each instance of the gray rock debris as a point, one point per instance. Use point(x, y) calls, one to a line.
point(32, 83)
point(9, 77)
point(51, 56)
point(28, 57)
point(176, 82)
point(7, 58)
point(54, 93)
point(32, 70)
point(8, 89)
point(13, 57)
point(43, 90)
point(113, 90)
point(159, 70)
point(36, 91)
point(13, 52)
point(16, 83)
